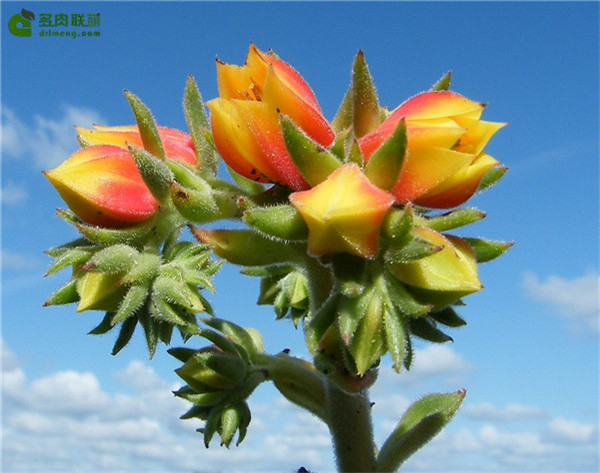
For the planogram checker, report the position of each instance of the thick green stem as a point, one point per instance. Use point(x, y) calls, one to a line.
point(351, 429)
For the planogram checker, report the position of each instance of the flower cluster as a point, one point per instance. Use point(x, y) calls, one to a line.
point(346, 225)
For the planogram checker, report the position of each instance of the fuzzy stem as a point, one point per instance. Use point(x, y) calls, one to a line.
point(351, 429)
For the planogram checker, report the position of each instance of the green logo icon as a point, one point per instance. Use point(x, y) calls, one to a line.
point(20, 24)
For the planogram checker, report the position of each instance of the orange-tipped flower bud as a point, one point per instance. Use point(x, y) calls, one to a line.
point(444, 163)
point(245, 119)
point(102, 186)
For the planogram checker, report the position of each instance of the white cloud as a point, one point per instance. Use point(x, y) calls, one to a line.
point(19, 261)
point(576, 299)
point(48, 141)
point(12, 193)
point(490, 412)
point(564, 430)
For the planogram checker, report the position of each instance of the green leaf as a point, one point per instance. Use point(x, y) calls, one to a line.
point(280, 221)
point(367, 114)
point(197, 121)
point(147, 126)
point(236, 334)
point(487, 250)
point(491, 176)
point(156, 174)
point(454, 219)
point(385, 164)
point(314, 161)
point(421, 423)
point(443, 82)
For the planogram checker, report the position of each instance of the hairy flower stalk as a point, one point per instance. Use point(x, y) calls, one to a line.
point(342, 224)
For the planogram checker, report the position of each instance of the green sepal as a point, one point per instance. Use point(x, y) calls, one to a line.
point(395, 337)
point(316, 326)
point(202, 398)
point(187, 176)
point(443, 83)
point(237, 334)
point(367, 344)
point(175, 290)
point(181, 353)
point(133, 300)
point(314, 161)
point(280, 221)
point(367, 114)
point(66, 294)
point(491, 176)
point(245, 417)
point(454, 219)
point(211, 426)
point(230, 421)
point(350, 273)
point(153, 330)
point(351, 311)
point(422, 421)
point(147, 126)
point(145, 268)
point(125, 334)
point(249, 248)
point(401, 298)
point(448, 317)
point(109, 236)
point(397, 224)
point(197, 121)
point(343, 118)
point(487, 250)
point(79, 243)
point(355, 154)
point(194, 205)
point(198, 412)
point(104, 326)
point(156, 174)
point(71, 257)
point(247, 185)
point(385, 164)
point(162, 311)
point(415, 249)
point(425, 328)
point(113, 260)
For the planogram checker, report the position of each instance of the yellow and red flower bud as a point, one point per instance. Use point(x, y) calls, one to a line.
point(245, 119)
point(451, 270)
point(102, 186)
point(444, 163)
point(178, 145)
point(344, 213)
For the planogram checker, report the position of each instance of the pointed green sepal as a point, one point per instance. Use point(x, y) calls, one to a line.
point(281, 221)
point(415, 249)
point(177, 291)
point(187, 176)
point(230, 421)
point(146, 125)
point(487, 250)
point(197, 121)
point(448, 317)
point(424, 327)
point(385, 164)
point(491, 176)
point(66, 294)
point(125, 334)
point(343, 118)
point(443, 82)
point(367, 344)
point(367, 114)
point(314, 161)
point(395, 338)
point(421, 422)
point(239, 335)
point(397, 224)
point(72, 257)
point(249, 248)
point(115, 259)
point(454, 219)
point(156, 174)
point(133, 300)
point(195, 206)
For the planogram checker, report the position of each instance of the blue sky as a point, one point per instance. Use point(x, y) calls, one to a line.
point(529, 354)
